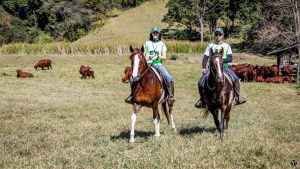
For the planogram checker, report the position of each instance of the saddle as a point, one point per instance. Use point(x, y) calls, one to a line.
point(164, 83)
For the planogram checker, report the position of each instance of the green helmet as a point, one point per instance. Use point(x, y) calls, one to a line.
point(155, 29)
point(220, 30)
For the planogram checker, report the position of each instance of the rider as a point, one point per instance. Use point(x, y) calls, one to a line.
point(155, 52)
point(227, 58)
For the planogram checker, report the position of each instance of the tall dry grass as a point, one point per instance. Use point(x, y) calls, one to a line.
point(66, 48)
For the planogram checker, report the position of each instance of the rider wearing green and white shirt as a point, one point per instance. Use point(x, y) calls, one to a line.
point(216, 46)
point(155, 51)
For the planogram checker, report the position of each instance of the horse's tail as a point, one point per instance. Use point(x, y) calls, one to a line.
point(165, 110)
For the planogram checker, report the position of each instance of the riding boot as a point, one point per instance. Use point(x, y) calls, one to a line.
point(200, 103)
point(129, 99)
point(171, 91)
point(238, 98)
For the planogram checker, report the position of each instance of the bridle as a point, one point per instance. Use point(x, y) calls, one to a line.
point(214, 76)
point(142, 59)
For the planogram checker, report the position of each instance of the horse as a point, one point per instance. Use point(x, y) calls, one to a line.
point(218, 91)
point(148, 91)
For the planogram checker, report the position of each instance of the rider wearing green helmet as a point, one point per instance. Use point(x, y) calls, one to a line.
point(155, 52)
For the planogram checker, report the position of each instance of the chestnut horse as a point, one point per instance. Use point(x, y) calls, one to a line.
point(218, 91)
point(147, 91)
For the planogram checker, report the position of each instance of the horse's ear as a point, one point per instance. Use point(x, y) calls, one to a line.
point(221, 51)
point(131, 49)
point(211, 51)
point(142, 49)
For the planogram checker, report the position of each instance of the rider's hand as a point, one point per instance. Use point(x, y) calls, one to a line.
point(203, 71)
point(149, 61)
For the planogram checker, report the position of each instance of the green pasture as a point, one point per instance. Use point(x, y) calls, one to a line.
point(57, 120)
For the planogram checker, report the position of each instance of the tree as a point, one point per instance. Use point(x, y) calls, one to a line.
point(193, 14)
point(296, 10)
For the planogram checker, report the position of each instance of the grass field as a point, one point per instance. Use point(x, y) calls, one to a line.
point(133, 25)
point(57, 120)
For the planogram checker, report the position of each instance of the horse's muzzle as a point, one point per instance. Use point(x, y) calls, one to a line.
point(219, 80)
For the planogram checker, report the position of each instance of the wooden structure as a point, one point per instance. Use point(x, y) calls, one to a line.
point(288, 56)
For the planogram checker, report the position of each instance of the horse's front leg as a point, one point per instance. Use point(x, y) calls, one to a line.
point(136, 109)
point(222, 128)
point(215, 115)
point(171, 116)
point(156, 120)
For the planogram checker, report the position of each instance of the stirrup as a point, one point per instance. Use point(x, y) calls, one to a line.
point(240, 100)
point(199, 104)
point(129, 100)
point(172, 98)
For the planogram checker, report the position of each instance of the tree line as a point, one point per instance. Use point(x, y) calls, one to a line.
point(39, 21)
point(264, 25)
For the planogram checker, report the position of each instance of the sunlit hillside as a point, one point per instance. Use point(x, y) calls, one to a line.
point(133, 25)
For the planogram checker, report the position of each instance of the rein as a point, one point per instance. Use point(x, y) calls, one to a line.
point(143, 73)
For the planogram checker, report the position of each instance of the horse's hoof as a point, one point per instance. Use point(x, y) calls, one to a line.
point(174, 129)
point(157, 135)
point(131, 140)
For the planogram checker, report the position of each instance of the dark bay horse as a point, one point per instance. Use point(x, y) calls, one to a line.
point(218, 91)
point(147, 91)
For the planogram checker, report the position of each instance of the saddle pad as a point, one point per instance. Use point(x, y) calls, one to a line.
point(157, 74)
point(229, 77)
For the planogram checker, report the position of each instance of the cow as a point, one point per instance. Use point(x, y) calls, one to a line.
point(128, 73)
point(260, 79)
point(86, 71)
point(43, 63)
point(287, 70)
point(21, 74)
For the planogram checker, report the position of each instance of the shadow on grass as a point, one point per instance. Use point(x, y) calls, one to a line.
point(196, 130)
point(126, 134)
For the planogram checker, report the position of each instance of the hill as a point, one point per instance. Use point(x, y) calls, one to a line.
point(133, 25)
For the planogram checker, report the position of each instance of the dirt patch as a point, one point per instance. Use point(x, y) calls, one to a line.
point(240, 57)
point(195, 59)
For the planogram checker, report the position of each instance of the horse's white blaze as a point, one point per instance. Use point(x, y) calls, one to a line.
point(219, 67)
point(133, 121)
point(135, 66)
point(156, 122)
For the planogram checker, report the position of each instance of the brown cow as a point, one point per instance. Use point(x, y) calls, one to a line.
point(86, 71)
point(260, 79)
point(43, 63)
point(128, 73)
point(23, 74)
point(275, 79)
point(287, 70)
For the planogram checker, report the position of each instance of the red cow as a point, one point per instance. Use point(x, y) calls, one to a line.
point(22, 74)
point(260, 79)
point(128, 73)
point(86, 71)
point(43, 63)
point(287, 70)
point(276, 79)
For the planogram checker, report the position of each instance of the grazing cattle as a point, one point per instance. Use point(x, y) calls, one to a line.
point(43, 63)
point(276, 79)
point(246, 72)
point(86, 71)
point(128, 73)
point(274, 70)
point(287, 70)
point(260, 79)
point(21, 74)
